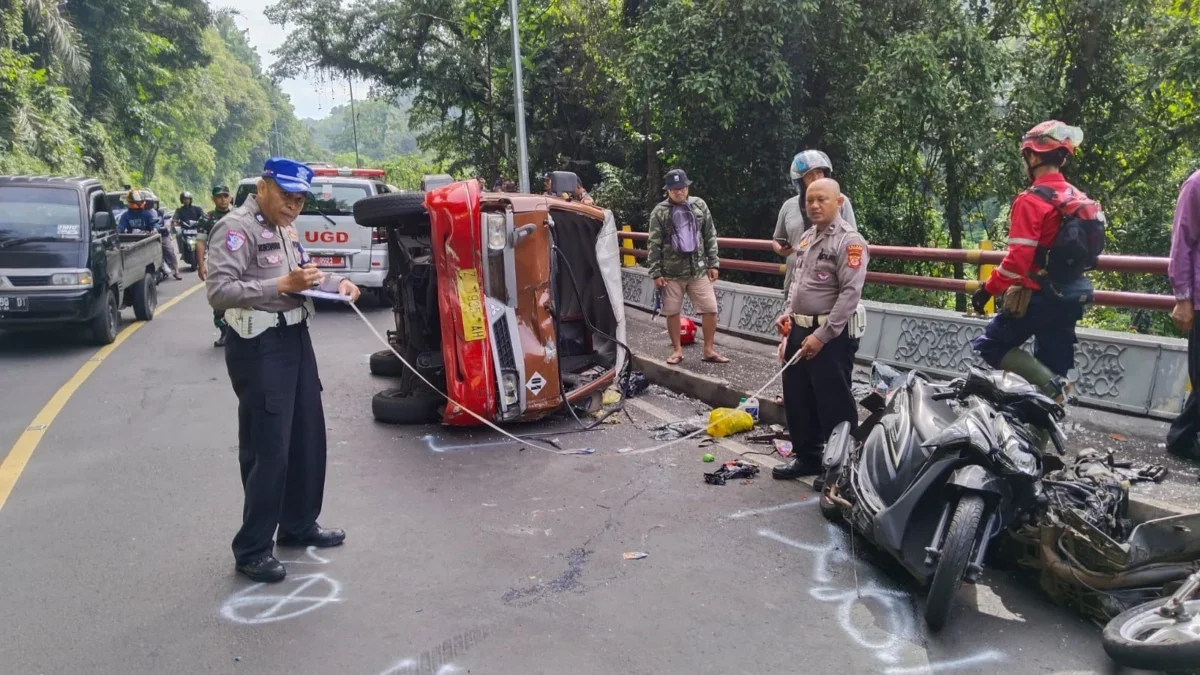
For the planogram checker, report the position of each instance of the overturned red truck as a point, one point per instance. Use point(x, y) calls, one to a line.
point(509, 303)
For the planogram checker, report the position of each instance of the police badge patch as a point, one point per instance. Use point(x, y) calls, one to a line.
point(854, 256)
point(234, 241)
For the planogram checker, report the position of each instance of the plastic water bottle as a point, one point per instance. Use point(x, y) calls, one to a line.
point(750, 405)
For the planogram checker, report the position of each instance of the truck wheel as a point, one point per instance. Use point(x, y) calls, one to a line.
point(385, 363)
point(399, 406)
point(145, 298)
point(106, 325)
point(389, 210)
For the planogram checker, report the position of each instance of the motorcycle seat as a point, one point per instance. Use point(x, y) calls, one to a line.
point(929, 416)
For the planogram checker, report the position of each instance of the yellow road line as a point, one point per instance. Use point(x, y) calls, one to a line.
point(14, 463)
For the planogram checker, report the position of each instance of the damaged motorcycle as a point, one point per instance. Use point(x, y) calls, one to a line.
point(932, 486)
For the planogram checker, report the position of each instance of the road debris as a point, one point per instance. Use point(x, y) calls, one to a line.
point(731, 470)
point(635, 555)
point(708, 457)
point(673, 430)
point(724, 422)
point(784, 448)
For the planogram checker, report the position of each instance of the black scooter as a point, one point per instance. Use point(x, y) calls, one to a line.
point(185, 240)
point(932, 486)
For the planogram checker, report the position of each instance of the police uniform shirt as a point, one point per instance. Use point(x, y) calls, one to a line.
point(248, 255)
point(831, 268)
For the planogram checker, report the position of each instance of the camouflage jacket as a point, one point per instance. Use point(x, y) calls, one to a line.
point(205, 225)
point(664, 260)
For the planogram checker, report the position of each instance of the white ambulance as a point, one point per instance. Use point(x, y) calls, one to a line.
point(327, 229)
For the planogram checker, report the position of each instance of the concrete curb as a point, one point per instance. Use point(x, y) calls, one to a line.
point(719, 393)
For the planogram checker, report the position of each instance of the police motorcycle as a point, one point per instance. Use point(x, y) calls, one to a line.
point(932, 486)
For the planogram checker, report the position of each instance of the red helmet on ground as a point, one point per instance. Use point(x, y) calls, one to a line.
point(687, 330)
point(1052, 135)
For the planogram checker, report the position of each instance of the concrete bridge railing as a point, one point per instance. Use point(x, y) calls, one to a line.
point(1123, 372)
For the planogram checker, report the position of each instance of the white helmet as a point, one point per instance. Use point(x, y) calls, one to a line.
point(807, 161)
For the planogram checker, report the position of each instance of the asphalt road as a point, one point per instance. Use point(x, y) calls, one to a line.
point(463, 555)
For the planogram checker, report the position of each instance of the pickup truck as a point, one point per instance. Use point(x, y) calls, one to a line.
point(62, 261)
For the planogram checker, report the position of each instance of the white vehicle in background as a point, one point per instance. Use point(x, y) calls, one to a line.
point(327, 228)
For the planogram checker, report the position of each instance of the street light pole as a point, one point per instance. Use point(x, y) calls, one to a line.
point(522, 146)
point(354, 122)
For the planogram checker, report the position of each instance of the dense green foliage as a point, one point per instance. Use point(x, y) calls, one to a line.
point(157, 93)
point(919, 103)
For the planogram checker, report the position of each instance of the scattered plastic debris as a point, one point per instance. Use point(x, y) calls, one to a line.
point(1117, 437)
point(635, 555)
point(673, 430)
point(611, 396)
point(579, 451)
point(783, 447)
point(634, 382)
point(724, 422)
point(731, 470)
point(708, 457)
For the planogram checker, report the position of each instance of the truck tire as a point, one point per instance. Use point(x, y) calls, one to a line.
point(145, 298)
point(385, 364)
point(400, 406)
point(389, 210)
point(106, 325)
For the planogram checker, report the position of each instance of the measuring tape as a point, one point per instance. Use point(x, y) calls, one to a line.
point(525, 441)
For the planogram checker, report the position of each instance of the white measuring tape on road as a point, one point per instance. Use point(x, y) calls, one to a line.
point(526, 441)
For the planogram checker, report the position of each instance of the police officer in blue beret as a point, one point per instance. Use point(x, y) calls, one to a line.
point(256, 269)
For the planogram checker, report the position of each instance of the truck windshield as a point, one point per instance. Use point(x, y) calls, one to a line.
point(331, 199)
point(52, 213)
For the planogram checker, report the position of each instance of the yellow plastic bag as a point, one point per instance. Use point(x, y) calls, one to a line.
point(725, 421)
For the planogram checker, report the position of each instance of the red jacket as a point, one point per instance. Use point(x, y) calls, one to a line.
point(1033, 222)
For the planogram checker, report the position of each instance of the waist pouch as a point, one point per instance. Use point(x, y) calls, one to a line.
point(1015, 301)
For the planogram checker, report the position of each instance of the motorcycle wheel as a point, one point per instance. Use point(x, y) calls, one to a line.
point(956, 553)
point(1142, 638)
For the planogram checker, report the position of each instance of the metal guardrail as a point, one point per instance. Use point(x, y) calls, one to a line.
point(1110, 263)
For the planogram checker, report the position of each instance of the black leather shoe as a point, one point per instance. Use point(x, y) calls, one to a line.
point(797, 468)
point(316, 536)
point(266, 570)
point(220, 340)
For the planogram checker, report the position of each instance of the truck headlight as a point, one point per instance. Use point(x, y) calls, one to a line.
point(72, 279)
point(497, 231)
point(510, 386)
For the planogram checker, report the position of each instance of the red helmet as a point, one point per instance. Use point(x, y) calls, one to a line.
point(1052, 135)
point(687, 331)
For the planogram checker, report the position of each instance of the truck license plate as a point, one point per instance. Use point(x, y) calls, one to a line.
point(329, 261)
point(470, 302)
point(11, 303)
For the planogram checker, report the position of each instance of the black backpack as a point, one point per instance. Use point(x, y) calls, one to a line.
point(1080, 239)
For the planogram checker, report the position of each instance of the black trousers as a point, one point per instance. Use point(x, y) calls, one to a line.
point(281, 435)
point(1182, 436)
point(816, 391)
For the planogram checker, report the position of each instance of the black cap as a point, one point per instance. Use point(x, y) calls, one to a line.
point(676, 179)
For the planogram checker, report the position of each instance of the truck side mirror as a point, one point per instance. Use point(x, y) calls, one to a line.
point(102, 222)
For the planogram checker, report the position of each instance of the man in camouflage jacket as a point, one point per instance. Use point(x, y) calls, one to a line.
point(683, 258)
point(221, 200)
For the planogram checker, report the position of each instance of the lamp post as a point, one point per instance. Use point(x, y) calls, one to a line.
point(522, 146)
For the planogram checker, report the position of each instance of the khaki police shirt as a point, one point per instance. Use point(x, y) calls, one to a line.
point(246, 257)
point(831, 267)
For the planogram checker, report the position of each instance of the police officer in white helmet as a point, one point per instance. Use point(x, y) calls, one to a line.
point(807, 167)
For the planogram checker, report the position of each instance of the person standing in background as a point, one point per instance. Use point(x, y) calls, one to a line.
point(807, 166)
point(1185, 236)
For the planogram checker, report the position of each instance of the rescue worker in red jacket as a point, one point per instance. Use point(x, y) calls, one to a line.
point(1047, 312)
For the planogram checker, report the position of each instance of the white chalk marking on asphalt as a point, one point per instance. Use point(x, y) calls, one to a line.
point(984, 657)
point(248, 598)
point(313, 558)
point(746, 513)
point(430, 438)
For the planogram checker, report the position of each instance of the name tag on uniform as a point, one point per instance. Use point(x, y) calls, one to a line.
point(271, 246)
